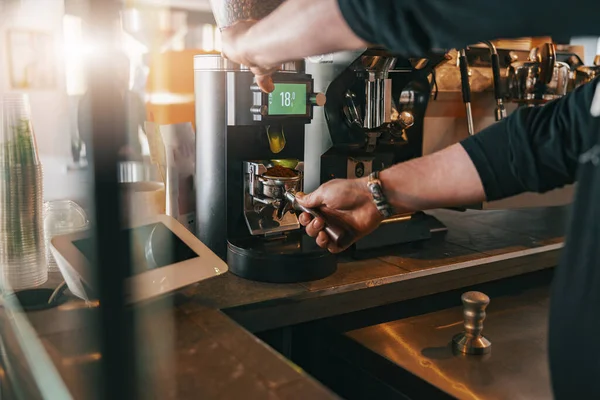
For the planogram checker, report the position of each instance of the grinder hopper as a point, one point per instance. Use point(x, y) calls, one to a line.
point(228, 12)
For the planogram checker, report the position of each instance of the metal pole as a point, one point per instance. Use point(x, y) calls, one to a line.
point(210, 86)
point(112, 253)
point(466, 90)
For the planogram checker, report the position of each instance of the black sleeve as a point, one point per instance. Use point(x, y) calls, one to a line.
point(536, 149)
point(414, 27)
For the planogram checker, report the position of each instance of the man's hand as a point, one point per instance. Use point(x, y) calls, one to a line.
point(234, 39)
point(348, 200)
point(447, 178)
point(295, 30)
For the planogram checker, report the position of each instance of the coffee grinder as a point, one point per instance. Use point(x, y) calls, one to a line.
point(373, 119)
point(250, 150)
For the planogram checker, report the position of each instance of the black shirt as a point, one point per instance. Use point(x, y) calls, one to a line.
point(536, 150)
point(533, 150)
point(413, 27)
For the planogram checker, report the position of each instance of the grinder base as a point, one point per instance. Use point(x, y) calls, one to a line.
point(294, 258)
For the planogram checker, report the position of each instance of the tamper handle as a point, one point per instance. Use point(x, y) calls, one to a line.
point(471, 341)
point(340, 236)
point(474, 304)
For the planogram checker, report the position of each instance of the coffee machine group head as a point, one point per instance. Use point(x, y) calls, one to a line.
point(377, 115)
point(373, 117)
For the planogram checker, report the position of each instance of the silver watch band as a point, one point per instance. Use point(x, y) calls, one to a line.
point(376, 189)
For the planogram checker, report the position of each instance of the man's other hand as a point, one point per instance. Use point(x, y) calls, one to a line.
point(348, 200)
point(234, 48)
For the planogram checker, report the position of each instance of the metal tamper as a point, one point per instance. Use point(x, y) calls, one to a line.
point(471, 341)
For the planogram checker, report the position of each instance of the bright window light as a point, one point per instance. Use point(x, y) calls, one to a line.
point(208, 37)
point(75, 52)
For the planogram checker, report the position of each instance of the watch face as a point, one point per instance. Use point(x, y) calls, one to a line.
point(359, 170)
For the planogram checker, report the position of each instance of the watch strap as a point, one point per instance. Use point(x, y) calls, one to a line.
point(376, 189)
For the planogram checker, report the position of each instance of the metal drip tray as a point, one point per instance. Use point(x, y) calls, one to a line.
point(516, 368)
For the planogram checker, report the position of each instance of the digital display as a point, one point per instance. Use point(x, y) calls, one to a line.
point(288, 99)
point(152, 246)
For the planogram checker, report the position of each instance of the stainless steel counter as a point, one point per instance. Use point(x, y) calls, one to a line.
point(516, 368)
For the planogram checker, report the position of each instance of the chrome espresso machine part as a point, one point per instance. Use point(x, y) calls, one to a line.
point(466, 89)
point(373, 119)
point(540, 79)
point(587, 73)
point(266, 208)
point(250, 147)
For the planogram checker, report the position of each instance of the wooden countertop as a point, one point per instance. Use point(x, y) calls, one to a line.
point(204, 331)
point(479, 246)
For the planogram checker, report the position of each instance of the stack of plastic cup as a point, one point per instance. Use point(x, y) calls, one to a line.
point(22, 245)
point(62, 217)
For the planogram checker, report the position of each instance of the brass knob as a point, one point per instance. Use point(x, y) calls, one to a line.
point(471, 341)
point(318, 99)
point(406, 119)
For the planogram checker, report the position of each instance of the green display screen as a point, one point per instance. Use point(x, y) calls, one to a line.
point(288, 99)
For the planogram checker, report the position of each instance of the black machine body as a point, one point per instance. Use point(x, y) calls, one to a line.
point(374, 116)
point(257, 131)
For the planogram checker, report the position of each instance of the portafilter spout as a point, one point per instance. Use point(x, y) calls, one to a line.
point(228, 12)
point(500, 109)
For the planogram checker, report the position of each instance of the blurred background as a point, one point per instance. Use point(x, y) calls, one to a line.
point(45, 56)
point(47, 49)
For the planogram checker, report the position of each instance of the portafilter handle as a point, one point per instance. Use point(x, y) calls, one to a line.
point(339, 235)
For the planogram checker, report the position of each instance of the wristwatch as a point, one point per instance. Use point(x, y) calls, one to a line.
point(374, 185)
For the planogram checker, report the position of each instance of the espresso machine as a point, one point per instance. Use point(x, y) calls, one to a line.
point(250, 149)
point(373, 119)
point(529, 73)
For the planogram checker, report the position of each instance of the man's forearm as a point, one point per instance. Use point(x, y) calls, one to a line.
point(443, 179)
point(301, 28)
point(289, 33)
point(533, 150)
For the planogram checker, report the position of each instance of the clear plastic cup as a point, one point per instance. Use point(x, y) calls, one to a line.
point(22, 243)
point(61, 218)
point(17, 138)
